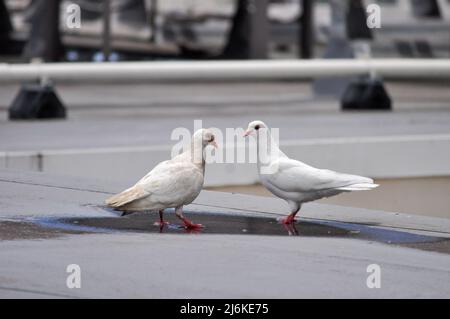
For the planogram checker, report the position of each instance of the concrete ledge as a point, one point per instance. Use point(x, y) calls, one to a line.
point(377, 157)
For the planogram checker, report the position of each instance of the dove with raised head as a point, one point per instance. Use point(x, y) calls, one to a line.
point(294, 181)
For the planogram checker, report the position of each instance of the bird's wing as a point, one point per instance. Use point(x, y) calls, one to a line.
point(127, 196)
point(294, 176)
point(158, 168)
point(169, 183)
point(133, 193)
point(172, 182)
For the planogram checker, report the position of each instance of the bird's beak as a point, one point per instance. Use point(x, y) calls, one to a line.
point(213, 143)
point(248, 132)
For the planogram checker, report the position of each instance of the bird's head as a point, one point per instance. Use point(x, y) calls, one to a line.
point(254, 127)
point(206, 137)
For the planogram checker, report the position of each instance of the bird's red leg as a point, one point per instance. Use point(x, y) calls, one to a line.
point(288, 220)
point(187, 223)
point(161, 219)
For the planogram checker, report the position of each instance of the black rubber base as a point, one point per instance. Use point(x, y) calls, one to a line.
point(367, 94)
point(35, 101)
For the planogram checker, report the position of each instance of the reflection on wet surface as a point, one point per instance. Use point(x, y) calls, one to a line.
point(213, 224)
point(219, 224)
point(234, 224)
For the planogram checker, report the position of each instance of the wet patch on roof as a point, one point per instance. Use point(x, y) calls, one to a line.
point(227, 224)
point(15, 230)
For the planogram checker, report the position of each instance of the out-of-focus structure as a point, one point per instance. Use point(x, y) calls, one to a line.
point(146, 29)
point(122, 30)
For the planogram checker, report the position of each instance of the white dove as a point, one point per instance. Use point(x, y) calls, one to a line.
point(294, 181)
point(170, 184)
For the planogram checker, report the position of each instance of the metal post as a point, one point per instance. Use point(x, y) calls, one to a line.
point(106, 29)
point(259, 28)
point(356, 18)
point(249, 33)
point(153, 14)
point(5, 20)
point(5, 28)
point(306, 21)
point(338, 47)
point(426, 8)
point(44, 40)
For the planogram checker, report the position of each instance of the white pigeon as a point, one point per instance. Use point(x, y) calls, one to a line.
point(170, 184)
point(294, 181)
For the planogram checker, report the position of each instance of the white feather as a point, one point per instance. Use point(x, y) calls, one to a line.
point(359, 187)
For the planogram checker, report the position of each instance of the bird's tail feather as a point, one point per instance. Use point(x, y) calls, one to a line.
point(126, 197)
point(358, 187)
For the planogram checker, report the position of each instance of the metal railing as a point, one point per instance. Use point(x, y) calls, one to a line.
point(225, 70)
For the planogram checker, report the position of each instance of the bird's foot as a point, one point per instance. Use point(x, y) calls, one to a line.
point(291, 229)
point(287, 220)
point(190, 225)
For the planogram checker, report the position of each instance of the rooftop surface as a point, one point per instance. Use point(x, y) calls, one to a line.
point(242, 252)
point(145, 114)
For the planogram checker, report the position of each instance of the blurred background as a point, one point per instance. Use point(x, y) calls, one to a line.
point(394, 128)
point(152, 29)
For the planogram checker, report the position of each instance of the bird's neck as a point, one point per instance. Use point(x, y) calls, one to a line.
point(268, 149)
point(196, 154)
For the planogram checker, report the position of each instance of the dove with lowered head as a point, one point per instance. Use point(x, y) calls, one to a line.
point(170, 184)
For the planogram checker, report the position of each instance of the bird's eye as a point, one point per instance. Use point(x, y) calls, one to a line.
point(257, 127)
point(211, 139)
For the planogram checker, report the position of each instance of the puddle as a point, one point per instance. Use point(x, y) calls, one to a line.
point(217, 224)
point(213, 224)
point(16, 230)
point(234, 224)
